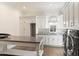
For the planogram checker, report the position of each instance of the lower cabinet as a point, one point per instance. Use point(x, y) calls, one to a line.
point(1, 47)
point(21, 49)
point(55, 40)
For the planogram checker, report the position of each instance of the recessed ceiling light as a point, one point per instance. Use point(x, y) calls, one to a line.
point(24, 7)
point(50, 4)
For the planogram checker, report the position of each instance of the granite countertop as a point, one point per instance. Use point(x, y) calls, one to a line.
point(24, 39)
point(19, 47)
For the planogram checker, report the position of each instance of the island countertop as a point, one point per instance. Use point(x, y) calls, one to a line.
point(24, 39)
point(21, 45)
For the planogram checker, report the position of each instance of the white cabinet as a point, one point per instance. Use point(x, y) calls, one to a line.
point(55, 40)
point(40, 23)
point(45, 38)
point(25, 25)
point(64, 19)
point(71, 14)
point(76, 13)
point(66, 16)
point(1, 47)
point(52, 40)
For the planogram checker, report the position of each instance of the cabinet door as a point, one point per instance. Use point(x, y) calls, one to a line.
point(22, 29)
point(41, 21)
point(66, 16)
point(76, 13)
point(71, 17)
point(1, 47)
point(52, 39)
point(56, 40)
point(46, 40)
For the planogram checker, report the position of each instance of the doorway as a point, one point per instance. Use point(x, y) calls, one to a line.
point(33, 29)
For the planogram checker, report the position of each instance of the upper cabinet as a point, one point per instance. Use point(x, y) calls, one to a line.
point(64, 19)
point(67, 16)
point(65, 12)
point(24, 26)
point(41, 21)
point(28, 19)
point(71, 14)
point(52, 22)
point(76, 9)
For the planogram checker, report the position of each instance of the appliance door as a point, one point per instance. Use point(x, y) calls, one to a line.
point(69, 45)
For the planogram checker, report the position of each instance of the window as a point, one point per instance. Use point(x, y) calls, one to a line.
point(52, 28)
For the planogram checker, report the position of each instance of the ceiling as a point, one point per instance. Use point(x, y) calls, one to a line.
point(37, 8)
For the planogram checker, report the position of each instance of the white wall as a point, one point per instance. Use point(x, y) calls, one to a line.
point(9, 20)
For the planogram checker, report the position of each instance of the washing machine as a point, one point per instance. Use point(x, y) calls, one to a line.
point(71, 42)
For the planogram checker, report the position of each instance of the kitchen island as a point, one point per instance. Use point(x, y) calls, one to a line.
point(21, 45)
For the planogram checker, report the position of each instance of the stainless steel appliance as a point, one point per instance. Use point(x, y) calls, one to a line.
point(71, 42)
